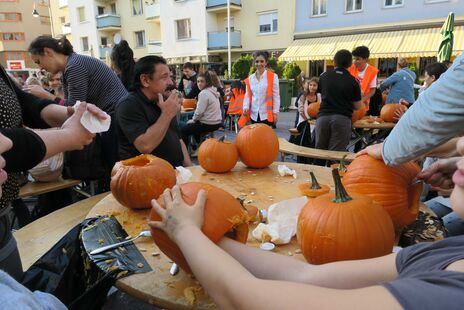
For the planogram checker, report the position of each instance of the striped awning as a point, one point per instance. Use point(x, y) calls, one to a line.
point(392, 44)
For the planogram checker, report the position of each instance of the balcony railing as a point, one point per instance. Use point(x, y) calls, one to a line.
point(104, 51)
point(218, 40)
point(152, 11)
point(221, 5)
point(62, 3)
point(108, 22)
point(154, 47)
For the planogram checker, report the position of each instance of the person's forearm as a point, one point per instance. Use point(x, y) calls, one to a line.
point(54, 115)
point(56, 141)
point(369, 94)
point(150, 140)
point(187, 162)
point(223, 277)
point(445, 150)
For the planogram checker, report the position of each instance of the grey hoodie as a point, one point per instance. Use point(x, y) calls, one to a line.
point(208, 109)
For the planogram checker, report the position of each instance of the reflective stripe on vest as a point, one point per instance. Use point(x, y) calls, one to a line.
point(269, 99)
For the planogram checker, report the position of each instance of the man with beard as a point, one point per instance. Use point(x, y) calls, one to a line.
point(146, 117)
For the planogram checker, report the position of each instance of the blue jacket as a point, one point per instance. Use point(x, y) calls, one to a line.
point(436, 117)
point(402, 86)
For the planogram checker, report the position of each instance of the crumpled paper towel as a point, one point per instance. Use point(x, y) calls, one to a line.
point(282, 221)
point(183, 175)
point(284, 170)
point(92, 123)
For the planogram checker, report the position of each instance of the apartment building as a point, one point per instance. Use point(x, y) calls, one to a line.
point(390, 28)
point(18, 27)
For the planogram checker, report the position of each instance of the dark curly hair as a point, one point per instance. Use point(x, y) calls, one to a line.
point(122, 62)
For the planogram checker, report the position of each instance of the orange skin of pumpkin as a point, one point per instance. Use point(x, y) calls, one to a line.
point(305, 189)
point(387, 113)
point(358, 114)
point(258, 145)
point(222, 214)
point(216, 156)
point(356, 229)
point(138, 180)
point(390, 187)
point(313, 109)
point(189, 103)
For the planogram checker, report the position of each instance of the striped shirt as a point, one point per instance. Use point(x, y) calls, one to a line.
point(89, 79)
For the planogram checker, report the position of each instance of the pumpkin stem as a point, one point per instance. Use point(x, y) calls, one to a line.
point(314, 183)
point(222, 139)
point(342, 166)
point(340, 193)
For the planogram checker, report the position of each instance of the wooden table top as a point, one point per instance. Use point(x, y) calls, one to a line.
point(263, 186)
point(37, 188)
point(363, 124)
point(38, 237)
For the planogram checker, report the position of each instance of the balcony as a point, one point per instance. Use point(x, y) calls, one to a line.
point(104, 51)
point(62, 3)
point(218, 40)
point(109, 22)
point(220, 6)
point(152, 11)
point(66, 29)
point(154, 47)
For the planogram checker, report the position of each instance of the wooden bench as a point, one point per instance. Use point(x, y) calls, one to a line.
point(38, 237)
point(294, 132)
point(287, 148)
point(38, 188)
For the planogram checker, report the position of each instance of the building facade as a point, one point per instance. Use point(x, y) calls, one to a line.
point(18, 27)
point(390, 28)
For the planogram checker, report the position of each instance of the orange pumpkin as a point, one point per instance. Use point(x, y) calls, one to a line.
point(138, 180)
point(189, 103)
point(358, 114)
point(222, 214)
point(257, 145)
point(340, 166)
point(337, 226)
point(313, 189)
point(391, 187)
point(313, 109)
point(217, 156)
point(387, 113)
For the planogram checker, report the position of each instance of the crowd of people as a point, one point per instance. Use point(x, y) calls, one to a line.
point(38, 120)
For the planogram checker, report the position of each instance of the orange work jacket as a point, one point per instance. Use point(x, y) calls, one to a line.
point(269, 102)
point(236, 101)
point(369, 75)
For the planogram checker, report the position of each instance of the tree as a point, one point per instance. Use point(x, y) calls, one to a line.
point(291, 71)
point(241, 67)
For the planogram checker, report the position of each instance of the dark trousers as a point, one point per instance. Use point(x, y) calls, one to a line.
point(10, 262)
point(196, 129)
point(333, 133)
point(258, 120)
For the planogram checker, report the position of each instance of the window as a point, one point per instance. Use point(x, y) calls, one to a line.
point(137, 7)
point(424, 62)
point(85, 44)
point(232, 22)
point(81, 14)
point(435, 1)
point(17, 55)
point(63, 20)
point(113, 8)
point(392, 3)
point(10, 17)
point(268, 23)
point(183, 29)
point(140, 38)
point(319, 7)
point(45, 20)
point(387, 66)
point(316, 67)
point(101, 10)
point(353, 6)
point(11, 36)
point(104, 41)
point(43, 2)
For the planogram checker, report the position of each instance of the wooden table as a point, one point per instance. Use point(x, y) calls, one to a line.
point(264, 187)
point(38, 188)
point(38, 237)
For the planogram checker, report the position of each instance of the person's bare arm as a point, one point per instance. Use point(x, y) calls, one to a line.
point(148, 141)
point(368, 95)
point(187, 162)
point(447, 149)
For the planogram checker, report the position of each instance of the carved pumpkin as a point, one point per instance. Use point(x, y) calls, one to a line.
point(223, 214)
point(138, 180)
point(387, 113)
point(337, 226)
point(257, 145)
point(358, 114)
point(217, 156)
point(189, 103)
point(391, 187)
point(313, 109)
point(313, 189)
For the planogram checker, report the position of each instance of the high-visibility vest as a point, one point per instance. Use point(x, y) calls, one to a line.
point(369, 75)
point(269, 100)
point(236, 101)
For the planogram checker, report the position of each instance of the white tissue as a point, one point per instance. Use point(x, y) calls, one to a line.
point(282, 221)
point(284, 170)
point(183, 175)
point(92, 123)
